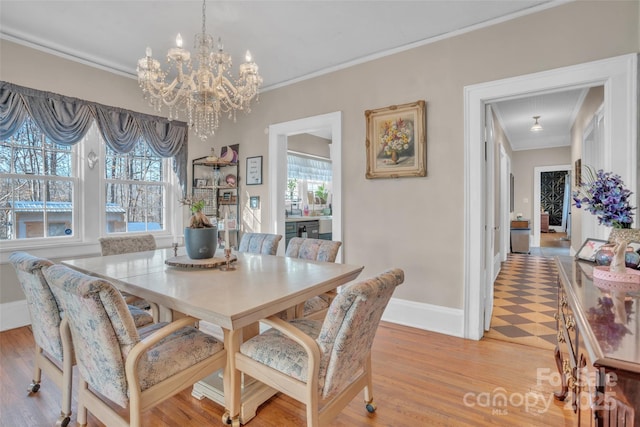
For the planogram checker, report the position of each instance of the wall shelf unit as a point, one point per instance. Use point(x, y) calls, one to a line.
point(216, 181)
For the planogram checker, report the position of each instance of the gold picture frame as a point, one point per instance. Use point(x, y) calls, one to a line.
point(396, 141)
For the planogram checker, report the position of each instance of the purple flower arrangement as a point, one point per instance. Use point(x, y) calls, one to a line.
point(604, 195)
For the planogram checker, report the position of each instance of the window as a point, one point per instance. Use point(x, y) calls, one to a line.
point(135, 190)
point(39, 182)
point(308, 183)
point(37, 186)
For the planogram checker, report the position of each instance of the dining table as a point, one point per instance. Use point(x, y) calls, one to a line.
point(236, 300)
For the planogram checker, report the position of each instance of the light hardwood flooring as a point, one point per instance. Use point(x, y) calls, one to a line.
point(420, 379)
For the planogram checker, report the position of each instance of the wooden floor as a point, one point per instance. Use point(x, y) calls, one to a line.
point(420, 379)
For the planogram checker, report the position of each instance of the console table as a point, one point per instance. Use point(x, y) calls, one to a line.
point(598, 351)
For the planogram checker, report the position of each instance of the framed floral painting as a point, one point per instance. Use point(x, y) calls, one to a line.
point(396, 141)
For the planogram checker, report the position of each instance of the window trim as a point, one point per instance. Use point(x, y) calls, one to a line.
point(89, 224)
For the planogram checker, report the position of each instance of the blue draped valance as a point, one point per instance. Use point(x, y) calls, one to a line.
point(66, 120)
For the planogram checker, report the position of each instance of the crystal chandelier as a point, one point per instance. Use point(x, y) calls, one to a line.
point(202, 93)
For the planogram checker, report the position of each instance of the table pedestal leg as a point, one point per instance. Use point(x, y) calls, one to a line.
point(240, 395)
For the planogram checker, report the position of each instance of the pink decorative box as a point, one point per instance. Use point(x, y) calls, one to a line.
point(628, 281)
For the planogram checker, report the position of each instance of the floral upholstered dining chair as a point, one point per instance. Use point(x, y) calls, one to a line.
point(135, 369)
point(323, 364)
point(314, 250)
point(54, 349)
point(116, 245)
point(259, 243)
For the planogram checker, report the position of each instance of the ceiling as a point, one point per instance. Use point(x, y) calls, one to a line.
point(557, 113)
point(290, 40)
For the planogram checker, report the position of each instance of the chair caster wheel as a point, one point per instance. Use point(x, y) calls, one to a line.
point(371, 407)
point(226, 418)
point(63, 422)
point(33, 387)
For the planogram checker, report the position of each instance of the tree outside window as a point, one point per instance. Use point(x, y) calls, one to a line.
point(37, 183)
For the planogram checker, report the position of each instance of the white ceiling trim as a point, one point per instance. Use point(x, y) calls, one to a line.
point(102, 64)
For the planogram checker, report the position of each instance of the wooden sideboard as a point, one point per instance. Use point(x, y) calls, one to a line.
point(598, 351)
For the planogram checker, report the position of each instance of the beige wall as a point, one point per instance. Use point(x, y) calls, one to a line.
point(523, 164)
point(412, 223)
point(592, 102)
point(309, 144)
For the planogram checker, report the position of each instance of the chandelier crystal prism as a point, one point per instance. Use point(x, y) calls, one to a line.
point(204, 92)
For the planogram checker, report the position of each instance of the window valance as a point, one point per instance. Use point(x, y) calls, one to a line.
point(301, 167)
point(66, 120)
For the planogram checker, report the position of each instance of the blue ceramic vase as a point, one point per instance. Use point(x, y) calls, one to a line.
point(604, 255)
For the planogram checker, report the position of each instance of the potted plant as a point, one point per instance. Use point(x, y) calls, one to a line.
point(201, 236)
point(291, 186)
point(322, 193)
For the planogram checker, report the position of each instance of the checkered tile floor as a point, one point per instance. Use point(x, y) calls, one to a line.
point(525, 300)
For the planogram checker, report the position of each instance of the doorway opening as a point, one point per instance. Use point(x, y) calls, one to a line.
point(329, 125)
point(619, 77)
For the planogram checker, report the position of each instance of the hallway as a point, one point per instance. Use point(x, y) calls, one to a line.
point(525, 295)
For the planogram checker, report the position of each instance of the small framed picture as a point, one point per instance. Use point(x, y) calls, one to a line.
point(254, 202)
point(200, 182)
point(254, 170)
point(589, 248)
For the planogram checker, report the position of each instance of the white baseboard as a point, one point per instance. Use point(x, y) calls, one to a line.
point(444, 320)
point(14, 315)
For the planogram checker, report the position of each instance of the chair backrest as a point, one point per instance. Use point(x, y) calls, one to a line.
point(44, 309)
point(102, 329)
point(348, 330)
point(259, 243)
point(127, 244)
point(313, 249)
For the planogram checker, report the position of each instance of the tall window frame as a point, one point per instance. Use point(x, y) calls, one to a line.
point(137, 183)
point(39, 182)
point(89, 217)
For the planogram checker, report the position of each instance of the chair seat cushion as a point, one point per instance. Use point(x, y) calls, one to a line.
point(276, 350)
point(320, 302)
point(175, 353)
point(140, 317)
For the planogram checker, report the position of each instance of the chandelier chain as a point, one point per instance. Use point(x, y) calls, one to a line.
point(204, 17)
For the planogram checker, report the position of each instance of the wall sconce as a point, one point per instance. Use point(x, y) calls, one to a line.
point(92, 158)
point(254, 202)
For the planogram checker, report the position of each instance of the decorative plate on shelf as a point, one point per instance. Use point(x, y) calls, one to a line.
point(230, 180)
point(229, 155)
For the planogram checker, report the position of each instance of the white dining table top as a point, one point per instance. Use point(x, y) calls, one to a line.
point(261, 285)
